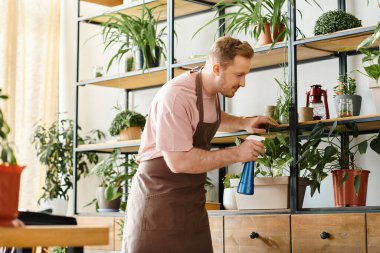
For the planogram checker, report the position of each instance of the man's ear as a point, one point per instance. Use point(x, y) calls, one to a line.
point(216, 69)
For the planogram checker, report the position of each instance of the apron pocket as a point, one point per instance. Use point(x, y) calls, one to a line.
point(164, 212)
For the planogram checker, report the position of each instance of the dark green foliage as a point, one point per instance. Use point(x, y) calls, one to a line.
point(124, 119)
point(54, 146)
point(132, 31)
point(333, 21)
point(7, 153)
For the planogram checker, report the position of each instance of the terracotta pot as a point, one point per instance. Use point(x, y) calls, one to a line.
point(265, 38)
point(9, 193)
point(344, 194)
point(305, 114)
point(130, 133)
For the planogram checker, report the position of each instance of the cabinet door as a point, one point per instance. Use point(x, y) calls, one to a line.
point(216, 227)
point(272, 233)
point(373, 232)
point(336, 233)
point(99, 221)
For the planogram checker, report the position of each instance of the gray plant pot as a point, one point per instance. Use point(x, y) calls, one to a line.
point(105, 205)
point(356, 103)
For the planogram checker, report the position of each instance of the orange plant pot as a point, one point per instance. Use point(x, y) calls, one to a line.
point(265, 38)
point(130, 133)
point(344, 194)
point(9, 193)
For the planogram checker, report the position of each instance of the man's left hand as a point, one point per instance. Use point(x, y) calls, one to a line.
point(257, 124)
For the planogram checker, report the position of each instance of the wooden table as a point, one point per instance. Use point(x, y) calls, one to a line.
point(73, 236)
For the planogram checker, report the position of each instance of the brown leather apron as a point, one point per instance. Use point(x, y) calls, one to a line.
point(166, 211)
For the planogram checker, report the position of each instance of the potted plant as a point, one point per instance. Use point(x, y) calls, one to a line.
point(345, 91)
point(54, 146)
point(262, 20)
point(127, 124)
point(138, 34)
point(113, 177)
point(371, 64)
point(350, 181)
point(281, 111)
point(10, 173)
point(333, 21)
point(229, 201)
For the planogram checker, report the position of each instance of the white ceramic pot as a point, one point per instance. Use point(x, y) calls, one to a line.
point(229, 201)
point(375, 90)
point(59, 206)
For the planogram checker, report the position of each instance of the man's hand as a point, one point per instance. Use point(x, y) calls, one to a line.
point(254, 125)
point(249, 150)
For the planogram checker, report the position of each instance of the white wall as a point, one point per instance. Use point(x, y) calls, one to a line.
point(95, 106)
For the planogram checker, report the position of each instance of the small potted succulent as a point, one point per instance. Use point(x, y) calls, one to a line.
point(333, 21)
point(10, 173)
point(345, 91)
point(229, 201)
point(127, 125)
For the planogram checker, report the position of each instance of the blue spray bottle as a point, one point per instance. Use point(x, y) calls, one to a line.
point(246, 184)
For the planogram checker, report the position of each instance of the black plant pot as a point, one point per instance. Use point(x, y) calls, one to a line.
point(139, 58)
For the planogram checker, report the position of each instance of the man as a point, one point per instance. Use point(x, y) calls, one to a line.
point(166, 210)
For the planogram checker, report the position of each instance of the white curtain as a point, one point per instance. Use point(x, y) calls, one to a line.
point(29, 66)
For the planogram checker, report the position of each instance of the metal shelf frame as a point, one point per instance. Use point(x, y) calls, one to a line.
point(294, 128)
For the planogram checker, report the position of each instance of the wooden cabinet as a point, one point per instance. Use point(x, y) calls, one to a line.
point(100, 221)
point(257, 233)
point(216, 228)
point(342, 233)
point(373, 232)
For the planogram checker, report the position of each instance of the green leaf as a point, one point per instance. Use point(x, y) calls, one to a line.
point(375, 144)
point(343, 179)
point(362, 147)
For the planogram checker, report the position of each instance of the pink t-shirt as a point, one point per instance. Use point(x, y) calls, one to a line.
point(173, 118)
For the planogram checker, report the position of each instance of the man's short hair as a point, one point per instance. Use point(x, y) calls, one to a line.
point(224, 50)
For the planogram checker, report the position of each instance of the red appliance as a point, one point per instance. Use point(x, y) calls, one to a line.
point(314, 100)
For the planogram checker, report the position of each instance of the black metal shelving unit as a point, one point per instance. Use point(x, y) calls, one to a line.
point(297, 52)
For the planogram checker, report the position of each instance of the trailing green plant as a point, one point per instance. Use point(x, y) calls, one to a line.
point(228, 177)
point(7, 153)
point(129, 31)
point(371, 59)
point(251, 17)
point(346, 86)
point(54, 146)
point(114, 172)
point(283, 101)
point(124, 119)
point(333, 21)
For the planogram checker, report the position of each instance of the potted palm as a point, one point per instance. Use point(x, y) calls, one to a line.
point(127, 124)
point(113, 177)
point(346, 91)
point(54, 146)
point(262, 20)
point(10, 173)
point(137, 34)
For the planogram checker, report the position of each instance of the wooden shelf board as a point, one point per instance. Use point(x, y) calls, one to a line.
point(125, 146)
point(181, 8)
point(132, 80)
point(365, 123)
point(110, 3)
point(344, 43)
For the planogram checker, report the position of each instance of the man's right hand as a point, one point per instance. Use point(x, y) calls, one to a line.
point(249, 150)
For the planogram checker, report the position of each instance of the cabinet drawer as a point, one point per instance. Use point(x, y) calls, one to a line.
point(346, 233)
point(273, 233)
point(373, 232)
point(216, 228)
